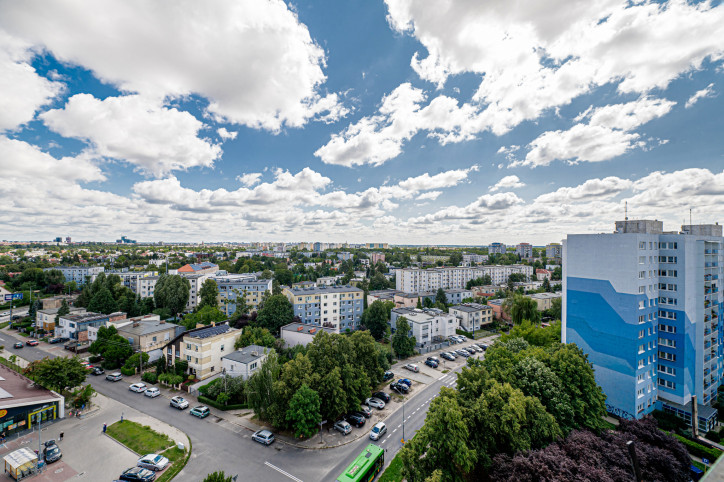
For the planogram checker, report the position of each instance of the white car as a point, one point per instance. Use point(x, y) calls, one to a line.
point(378, 431)
point(179, 402)
point(152, 392)
point(153, 462)
point(375, 402)
point(412, 367)
point(138, 387)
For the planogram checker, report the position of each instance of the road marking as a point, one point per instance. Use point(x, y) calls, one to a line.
point(395, 430)
point(400, 425)
point(282, 472)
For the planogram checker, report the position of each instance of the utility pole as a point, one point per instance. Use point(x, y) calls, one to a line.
point(403, 420)
point(634, 460)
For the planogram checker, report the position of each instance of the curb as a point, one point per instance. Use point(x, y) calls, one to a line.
point(121, 444)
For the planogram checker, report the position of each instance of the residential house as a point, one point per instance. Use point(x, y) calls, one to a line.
point(244, 362)
point(427, 325)
point(497, 248)
point(336, 307)
point(544, 300)
point(472, 316)
point(295, 334)
point(198, 268)
point(542, 274)
point(202, 348)
point(45, 318)
point(248, 285)
point(149, 334)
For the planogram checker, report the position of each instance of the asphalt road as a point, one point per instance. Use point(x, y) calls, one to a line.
point(29, 353)
point(22, 311)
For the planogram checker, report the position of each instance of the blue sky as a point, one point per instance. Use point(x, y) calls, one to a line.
point(415, 122)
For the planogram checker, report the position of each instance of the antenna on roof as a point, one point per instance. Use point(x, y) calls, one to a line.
point(690, 223)
point(625, 211)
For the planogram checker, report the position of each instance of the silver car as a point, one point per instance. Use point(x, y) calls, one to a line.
point(153, 462)
point(343, 427)
point(263, 437)
point(378, 431)
point(375, 403)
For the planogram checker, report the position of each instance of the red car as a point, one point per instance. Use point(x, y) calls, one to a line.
point(32, 343)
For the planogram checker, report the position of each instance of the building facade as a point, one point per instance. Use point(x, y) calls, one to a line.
point(45, 319)
point(336, 307)
point(545, 300)
point(427, 325)
point(295, 334)
point(647, 309)
point(524, 250)
point(202, 348)
point(145, 286)
point(414, 280)
point(247, 285)
point(376, 257)
point(497, 248)
point(472, 259)
point(79, 274)
point(472, 316)
point(245, 361)
point(149, 334)
point(554, 250)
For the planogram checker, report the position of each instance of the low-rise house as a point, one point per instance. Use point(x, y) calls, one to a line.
point(202, 348)
point(45, 319)
point(542, 274)
point(75, 326)
point(456, 296)
point(544, 300)
point(198, 268)
point(295, 334)
point(149, 334)
point(244, 362)
point(472, 316)
point(427, 325)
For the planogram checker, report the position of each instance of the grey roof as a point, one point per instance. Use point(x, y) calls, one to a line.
point(247, 354)
point(323, 289)
point(209, 332)
point(470, 307)
point(305, 328)
point(456, 290)
point(545, 296)
point(146, 328)
point(705, 411)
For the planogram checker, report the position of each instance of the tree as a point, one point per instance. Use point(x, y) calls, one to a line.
point(172, 292)
point(375, 319)
point(276, 312)
point(378, 282)
point(456, 258)
point(536, 335)
point(402, 344)
point(33, 310)
point(260, 387)
point(62, 311)
point(255, 335)
point(523, 308)
point(267, 274)
point(276, 288)
point(332, 394)
point(103, 302)
point(440, 296)
point(204, 316)
point(441, 444)
point(284, 276)
point(556, 308)
point(209, 294)
point(546, 285)
point(304, 411)
point(58, 373)
point(218, 477)
point(111, 346)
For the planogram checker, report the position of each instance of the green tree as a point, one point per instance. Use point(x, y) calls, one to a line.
point(276, 312)
point(455, 259)
point(440, 296)
point(172, 292)
point(276, 288)
point(209, 294)
point(255, 335)
point(556, 308)
point(218, 477)
point(114, 349)
point(239, 302)
point(53, 278)
point(267, 274)
point(304, 411)
point(546, 285)
point(58, 373)
point(536, 335)
point(260, 388)
point(204, 316)
point(284, 276)
point(62, 311)
point(378, 282)
point(402, 344)
point(441, 444)
point(375, 319)
point(33, 310)
point(523, 308)
point(103, 302)
point(332, 395)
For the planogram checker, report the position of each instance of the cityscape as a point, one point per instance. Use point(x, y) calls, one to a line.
point(361, 241)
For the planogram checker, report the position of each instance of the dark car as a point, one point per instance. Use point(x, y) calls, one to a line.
point(447, 356)
point(434, 358)
point(399, 387)
point(483, 346)
point(18, 345)
point(365, 410)
point(97, 371)
point(406, 381)
point(388, 376)
point(355, 419)
point(382, 396)
point(52, 452)
point(138, 474)
point(53, 341)
point(431, 363)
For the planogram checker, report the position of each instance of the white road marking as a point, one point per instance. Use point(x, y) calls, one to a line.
point(395, 430)
point(282, 472)
point(400, 425)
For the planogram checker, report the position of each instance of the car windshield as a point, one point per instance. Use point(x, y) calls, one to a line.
point(52, 450)
point(157, 459)
point(376, 429)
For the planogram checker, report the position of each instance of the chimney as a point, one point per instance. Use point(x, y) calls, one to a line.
point(163, 322)
point(213, 323)
point(136, 324)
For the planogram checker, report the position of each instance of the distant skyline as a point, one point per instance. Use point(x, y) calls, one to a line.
point(399, 121)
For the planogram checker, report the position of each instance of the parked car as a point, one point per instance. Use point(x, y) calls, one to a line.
point(388, 376)
point(51, 452)
point(114, 377)
point(343, 427)
point(53, 341)
point(365, 410)
point(400, 388)
point(378, 431)
point(179, 402)
point(153, 462)
point(18, 345)
point(472, 350)
point(406, 381)
point(412, 367)
point(382, 396)
point(202, 411)
point(431, 363)
point(138, 474)
point(447, 356)
point(483, 346)
point(32, 343)
point(452, 340)
point(462, 353)
point(138, 387)
point(97, 371)
point(375, 403)
point(152, 392)
point(434, 358)
point(263, 437)
point(356, 419)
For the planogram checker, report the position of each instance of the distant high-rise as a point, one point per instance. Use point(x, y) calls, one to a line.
point(58, 240)
point(646, 307)
point(497, 248)
point(524, 250)
point(67, 239)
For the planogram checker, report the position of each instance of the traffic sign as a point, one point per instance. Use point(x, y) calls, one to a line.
point(14, 296)
point(705, 461)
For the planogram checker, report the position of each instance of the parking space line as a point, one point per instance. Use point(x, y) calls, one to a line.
point(282, 472)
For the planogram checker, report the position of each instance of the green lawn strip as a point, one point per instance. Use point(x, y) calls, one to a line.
point(179, 459)
point(139, 438)
point(393, 472)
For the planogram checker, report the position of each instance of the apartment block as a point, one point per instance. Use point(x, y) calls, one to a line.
point(376, 257)
point(129, 279)
point(145, 286)
point(475, 258)
point(414, 280)
point(79, 274)
point(335, 307)
point(248, 285)
point(295, 334)
point(149, 334)
point(544, 300)
point(472, 316)
point(554, 250)
point(427, 325)
point(647, 310)
point(497, 248)
point(524, 250)
point(202, 348)
point(75, 326)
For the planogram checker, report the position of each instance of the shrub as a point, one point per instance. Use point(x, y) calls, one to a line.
point(212, 403)
point(698, 449)
point(714, 436)
point(128, 371)
point(95, 358)
point(149, 377)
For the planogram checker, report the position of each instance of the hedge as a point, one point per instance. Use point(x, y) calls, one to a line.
point(698, 449)
point(129, 372)
point(212, 403)
point(149, 377)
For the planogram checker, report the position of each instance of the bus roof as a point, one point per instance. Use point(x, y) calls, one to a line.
point(360, 464)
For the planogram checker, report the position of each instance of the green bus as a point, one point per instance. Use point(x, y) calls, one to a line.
point(366, 466)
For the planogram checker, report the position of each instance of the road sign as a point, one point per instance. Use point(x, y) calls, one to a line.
point(705, 461)
point(14, 296)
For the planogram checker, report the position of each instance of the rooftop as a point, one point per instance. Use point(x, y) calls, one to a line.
point(209, 332)
point(545, 296)
point(248, 354)
point(470, 307)
point(306, 329)
point(324, 289)
point(191, 268)
point(141, 328)
point(16, 389)
point(417, 315)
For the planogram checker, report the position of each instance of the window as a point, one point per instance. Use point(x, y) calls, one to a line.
point(641, 334)
point(667, 328)
point(667, 342)
point(642, 244)
point(667, 356)
point(641, 349)
point(667, 370)
point(222, 347)
point(642, 304)
point(642, 259)
point(642, 289)
point(642, 274)
point(188, 358)
point(667, 384)
point(642, 318)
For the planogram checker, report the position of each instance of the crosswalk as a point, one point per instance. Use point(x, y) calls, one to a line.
point(448, 379)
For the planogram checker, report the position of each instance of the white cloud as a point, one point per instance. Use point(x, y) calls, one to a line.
point(249, 179)
point(155, 139)
point(591, 189)
point(257, 65)
point(707, 91)
point(431, 195)
point(226, 135)
point(22, 90)
point(508, 182)
point(443, 179)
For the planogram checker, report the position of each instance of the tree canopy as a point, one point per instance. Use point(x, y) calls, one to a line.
point(58, 373)
point(375, 319)
point(304, 411)
point(276, 312)
point(209, 294)
point(172, 292)
point(402, 344)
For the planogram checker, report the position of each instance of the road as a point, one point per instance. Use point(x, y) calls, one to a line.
point(22, 311)
point(29, 353)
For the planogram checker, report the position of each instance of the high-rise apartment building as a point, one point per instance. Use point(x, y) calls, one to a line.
point(646, 307)
point(80, 274)
point(497, 248)
point(554, 250)
point(524, 250)
point(336, 307)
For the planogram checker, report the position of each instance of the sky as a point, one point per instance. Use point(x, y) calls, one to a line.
point(399, 121)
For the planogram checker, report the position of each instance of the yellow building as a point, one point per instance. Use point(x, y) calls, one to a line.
point(202, 348)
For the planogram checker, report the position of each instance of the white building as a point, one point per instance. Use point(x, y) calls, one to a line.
point(475, 258)
point(79, 274)
point(244, 362)
point(295, 334)
point(145, 286)
point(524, 250)
point(129, 279)
point(427, 325)
point(472, 316)
point(414, 280)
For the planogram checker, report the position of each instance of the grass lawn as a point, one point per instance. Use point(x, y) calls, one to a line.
point(139, 438)
point(178, 458)
point(393, 472)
